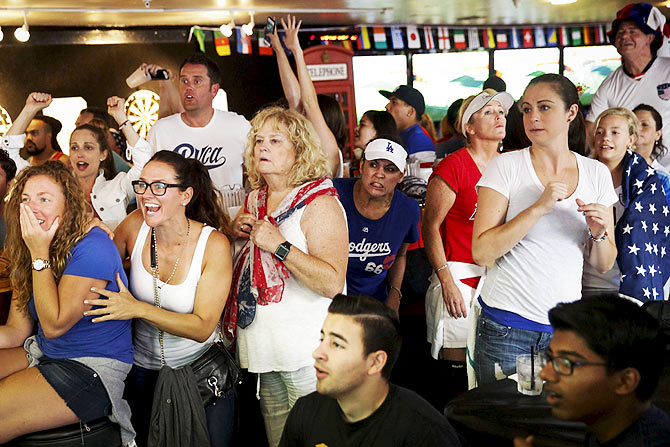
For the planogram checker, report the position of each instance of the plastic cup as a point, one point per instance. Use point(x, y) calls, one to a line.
point(528, 384)
point(137, 78)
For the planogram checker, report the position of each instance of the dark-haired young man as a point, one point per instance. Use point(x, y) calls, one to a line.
point(214, 137)
point(354, 404)
point(603, 366)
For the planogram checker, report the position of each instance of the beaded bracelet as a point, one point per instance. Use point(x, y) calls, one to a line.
point(599, 239)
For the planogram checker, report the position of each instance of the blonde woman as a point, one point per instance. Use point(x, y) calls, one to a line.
point(293, 261)
point(451, 203)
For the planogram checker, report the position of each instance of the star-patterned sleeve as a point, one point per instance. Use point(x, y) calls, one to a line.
point(643, 232)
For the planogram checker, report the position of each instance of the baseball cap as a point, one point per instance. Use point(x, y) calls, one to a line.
point(410, 95)
point(479, 101)
point(647, 17)
point(383, 149)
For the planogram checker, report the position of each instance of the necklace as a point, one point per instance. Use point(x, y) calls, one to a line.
point(154, 255)
point(155, 273)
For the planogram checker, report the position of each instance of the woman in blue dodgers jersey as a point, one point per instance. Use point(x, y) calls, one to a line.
point(382, 222)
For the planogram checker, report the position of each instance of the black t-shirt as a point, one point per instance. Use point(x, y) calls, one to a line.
point(404, 419)
point(651, 430)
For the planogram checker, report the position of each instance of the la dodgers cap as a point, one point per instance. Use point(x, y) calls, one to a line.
point(383, 149)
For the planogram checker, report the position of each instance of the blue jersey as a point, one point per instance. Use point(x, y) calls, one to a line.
point(95, 256)
point(374, 244)
point(416, 139)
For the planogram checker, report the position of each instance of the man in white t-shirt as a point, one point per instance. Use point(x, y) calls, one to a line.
point(214, 137)
point(637, 33)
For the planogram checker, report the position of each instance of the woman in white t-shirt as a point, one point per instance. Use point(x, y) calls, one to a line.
point(538, 208)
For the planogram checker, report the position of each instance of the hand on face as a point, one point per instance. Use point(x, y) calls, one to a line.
point(37, 239)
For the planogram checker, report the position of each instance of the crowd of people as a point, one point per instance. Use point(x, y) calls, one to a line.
point(124, 257)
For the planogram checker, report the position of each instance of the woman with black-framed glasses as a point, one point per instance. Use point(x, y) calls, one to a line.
point(180, 274)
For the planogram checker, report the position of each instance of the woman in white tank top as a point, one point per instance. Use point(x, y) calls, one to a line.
point(179, 213)
point(293, 261)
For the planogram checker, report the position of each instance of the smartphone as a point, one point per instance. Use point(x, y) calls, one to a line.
point(160, 74)
point(270, 27)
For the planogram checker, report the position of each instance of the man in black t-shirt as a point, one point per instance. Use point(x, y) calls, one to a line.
point(354, 404)
point(602, 368)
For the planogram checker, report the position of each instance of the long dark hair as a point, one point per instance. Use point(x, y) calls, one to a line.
point(205, 205)
point(659, 148)
point(568, 93)
point(334, 117)
point(383, 123)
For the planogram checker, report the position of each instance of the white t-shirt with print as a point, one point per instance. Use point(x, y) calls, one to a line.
point(219, 145)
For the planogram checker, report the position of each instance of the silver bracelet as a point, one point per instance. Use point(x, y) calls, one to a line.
point(397, 290)
point(442, 268)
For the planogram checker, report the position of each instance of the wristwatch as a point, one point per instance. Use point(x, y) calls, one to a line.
point(282, 251)
point(41, 264)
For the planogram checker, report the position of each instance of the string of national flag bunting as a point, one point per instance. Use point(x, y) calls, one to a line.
point(428, 38)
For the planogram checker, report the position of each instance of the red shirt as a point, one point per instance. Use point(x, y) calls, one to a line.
point(460, 172)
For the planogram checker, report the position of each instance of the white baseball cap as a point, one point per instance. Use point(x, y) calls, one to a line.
point(384, 149)
point(480, 101)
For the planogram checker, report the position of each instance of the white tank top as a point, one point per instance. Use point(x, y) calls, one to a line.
point(180, 298)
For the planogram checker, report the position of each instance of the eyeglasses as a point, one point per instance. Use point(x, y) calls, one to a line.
point(564, 366)
point(157, 188)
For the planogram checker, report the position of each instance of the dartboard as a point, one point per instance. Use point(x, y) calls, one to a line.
point(142, 110)
point(5, 121)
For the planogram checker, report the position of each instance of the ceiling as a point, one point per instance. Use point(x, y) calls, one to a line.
point(133, 13)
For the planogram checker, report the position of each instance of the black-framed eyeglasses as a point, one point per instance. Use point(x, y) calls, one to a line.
point(157, 188)
point(564, 366)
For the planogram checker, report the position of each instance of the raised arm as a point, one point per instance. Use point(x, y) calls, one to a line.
point(14, 139)
point(289, 82)
point(492, 237)
point(210, 298)
point(116, 107)
point(308, 96)
point(323, 269)
point(170, 102)
point(439, 200)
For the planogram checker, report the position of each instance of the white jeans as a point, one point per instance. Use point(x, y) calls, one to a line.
point(279, 390)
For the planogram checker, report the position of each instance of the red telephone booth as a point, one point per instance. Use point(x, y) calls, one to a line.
point(332, 73)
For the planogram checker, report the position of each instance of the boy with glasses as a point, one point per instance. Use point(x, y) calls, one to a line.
point(602, 367)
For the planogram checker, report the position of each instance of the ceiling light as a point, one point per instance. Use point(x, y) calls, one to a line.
point(248, 29)
point(227, 28)
point(1, 34)
point(562, 2)
point(22, 34)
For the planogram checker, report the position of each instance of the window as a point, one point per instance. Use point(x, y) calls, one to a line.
point(374, 73)
point(445, 77)
point(587, 67)
point(517, 67)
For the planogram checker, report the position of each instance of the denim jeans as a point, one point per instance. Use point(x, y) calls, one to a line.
point(498, 346)
point(279, 390)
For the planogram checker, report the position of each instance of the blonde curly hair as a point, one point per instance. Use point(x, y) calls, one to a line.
point(73, 226)
point(310, 161)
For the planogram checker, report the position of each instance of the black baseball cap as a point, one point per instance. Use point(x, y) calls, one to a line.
point(410, 95)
